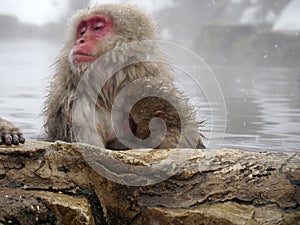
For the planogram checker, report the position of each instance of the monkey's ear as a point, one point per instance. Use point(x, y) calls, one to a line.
point(159, 114)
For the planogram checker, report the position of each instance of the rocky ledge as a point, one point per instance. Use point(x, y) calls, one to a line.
point(60, 183)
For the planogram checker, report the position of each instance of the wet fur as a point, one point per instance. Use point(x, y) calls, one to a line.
point(130, 24)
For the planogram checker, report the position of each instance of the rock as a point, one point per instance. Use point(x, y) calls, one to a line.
point(61, 183)
point(39, 207)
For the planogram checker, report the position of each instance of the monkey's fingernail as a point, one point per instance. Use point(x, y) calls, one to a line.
point(15, 139)
point(21, 138)
point(7, 139)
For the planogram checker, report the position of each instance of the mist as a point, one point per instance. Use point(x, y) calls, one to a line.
point(252, 47)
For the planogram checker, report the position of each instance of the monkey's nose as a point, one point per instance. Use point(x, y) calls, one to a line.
point(80, 41)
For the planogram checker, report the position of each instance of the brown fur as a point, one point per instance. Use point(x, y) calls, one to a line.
point(129, 25)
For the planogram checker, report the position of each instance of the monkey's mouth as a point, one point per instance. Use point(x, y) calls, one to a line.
point(80, 58)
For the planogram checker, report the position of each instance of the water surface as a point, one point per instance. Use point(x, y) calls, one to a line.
point(262, 104)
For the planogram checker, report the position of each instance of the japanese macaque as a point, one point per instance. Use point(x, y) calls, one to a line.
point(101, 58)
point(9, 134)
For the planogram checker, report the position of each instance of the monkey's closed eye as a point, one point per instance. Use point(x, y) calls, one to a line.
point(98, 26)
point(82, 28)
point(81, 32)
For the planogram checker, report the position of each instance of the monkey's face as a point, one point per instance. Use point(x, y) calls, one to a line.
point(89, 34)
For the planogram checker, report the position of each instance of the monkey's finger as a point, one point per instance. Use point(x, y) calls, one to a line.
point(21, 138)
point(1, 139)
point(160, 114)
point(15, 139)
point(7, 139)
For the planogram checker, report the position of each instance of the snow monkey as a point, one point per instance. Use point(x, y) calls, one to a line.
point(9, 134)
point(160, 117)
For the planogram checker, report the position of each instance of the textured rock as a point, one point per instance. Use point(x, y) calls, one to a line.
point(39, 207)
point(60, 183)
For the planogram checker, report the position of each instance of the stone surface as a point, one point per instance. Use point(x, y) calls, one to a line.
point(60, 183)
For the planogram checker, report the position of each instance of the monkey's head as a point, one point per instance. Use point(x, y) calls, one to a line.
point(94, 31)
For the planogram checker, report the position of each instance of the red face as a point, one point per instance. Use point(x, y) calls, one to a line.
point(90, 32)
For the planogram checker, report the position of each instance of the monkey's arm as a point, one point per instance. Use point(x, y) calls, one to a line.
point(9, 134)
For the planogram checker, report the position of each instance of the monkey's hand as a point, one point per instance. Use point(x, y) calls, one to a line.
point(9, 134)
